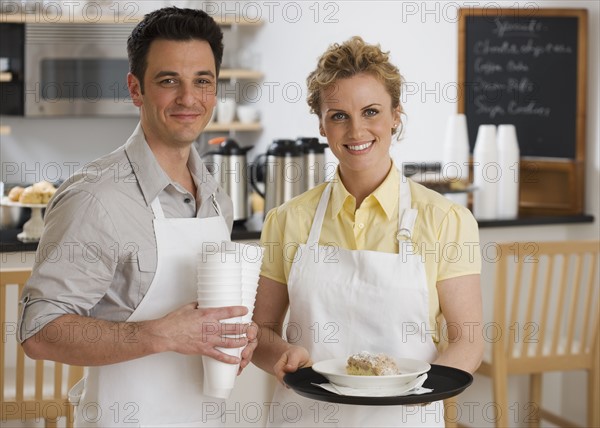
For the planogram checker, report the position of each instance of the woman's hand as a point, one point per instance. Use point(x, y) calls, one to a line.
point(252, 336)
point(291, 360)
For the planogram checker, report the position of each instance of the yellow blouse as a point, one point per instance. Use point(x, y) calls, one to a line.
point(446, 235)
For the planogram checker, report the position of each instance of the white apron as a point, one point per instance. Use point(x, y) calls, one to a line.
point(358, 300)
point(161, 389)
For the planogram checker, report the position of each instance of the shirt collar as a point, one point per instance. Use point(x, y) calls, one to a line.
point(386, 195)
point(151, 177)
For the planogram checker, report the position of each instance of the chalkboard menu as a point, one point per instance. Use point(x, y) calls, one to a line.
point(527, 67)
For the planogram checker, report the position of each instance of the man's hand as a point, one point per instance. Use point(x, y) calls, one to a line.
point(194, 331)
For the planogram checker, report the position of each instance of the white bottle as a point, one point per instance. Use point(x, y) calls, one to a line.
point(486, 174)
point(508, 159)
point(455, 164)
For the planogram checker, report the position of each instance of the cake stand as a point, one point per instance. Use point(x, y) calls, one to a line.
point(32, 230)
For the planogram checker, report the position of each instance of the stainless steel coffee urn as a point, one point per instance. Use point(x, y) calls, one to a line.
point(313, 162)
point(283, 173)
point(229, 165)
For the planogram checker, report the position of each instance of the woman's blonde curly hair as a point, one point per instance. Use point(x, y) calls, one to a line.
point(352, 57)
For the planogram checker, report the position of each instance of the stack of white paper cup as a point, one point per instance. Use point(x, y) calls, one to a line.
point(251, 263)
point(227, 276)
point(220, 285)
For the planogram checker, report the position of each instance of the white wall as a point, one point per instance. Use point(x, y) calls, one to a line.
point(422, 37)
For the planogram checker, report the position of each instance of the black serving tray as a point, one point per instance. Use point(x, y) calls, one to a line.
point(445, 381)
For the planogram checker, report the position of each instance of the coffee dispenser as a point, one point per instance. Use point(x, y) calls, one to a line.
point(313, 162)
point(228, 165)
point(283, 175)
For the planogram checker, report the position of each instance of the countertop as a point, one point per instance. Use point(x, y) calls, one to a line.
point(250, 231)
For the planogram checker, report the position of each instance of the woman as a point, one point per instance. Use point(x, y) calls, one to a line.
point(369, 261)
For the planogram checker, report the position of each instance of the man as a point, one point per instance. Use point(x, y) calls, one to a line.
point(115, 281)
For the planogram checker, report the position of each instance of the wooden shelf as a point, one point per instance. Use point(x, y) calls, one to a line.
point(234, 126)
point(240, 74)
point(108, 17)
point(5, 76)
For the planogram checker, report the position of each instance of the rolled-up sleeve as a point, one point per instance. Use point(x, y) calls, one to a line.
point(75, 262)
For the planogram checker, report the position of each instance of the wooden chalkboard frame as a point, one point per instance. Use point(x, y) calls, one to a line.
point(547, 186)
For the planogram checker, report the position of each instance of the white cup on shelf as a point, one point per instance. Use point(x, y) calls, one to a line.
point(247, 114)
point(225, 110)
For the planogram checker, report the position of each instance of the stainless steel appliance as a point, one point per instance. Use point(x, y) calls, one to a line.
point(283, 173)
point(77, 70)
point(313, 162)
point(228, 164)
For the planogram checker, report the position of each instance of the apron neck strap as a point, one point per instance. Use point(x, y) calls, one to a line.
point(406, 214)
point(315, 230)
point(157, 208)
point(215, 204)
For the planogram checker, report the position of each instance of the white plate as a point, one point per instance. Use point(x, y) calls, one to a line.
point(9, 203)
point(335, 372)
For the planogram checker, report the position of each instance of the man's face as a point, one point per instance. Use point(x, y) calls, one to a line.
point(179, 96)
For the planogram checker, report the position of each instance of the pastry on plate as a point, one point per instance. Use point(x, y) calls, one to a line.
point(368, 364)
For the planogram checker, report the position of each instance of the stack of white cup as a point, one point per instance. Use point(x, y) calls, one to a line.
point(251, 263)
point(227, 276)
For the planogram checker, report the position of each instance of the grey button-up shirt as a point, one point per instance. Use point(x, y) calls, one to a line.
point(97, 255)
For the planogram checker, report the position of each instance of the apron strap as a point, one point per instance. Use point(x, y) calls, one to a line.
point(315, 230)
point(157, 208)
point(406, 214)
point(215, 204)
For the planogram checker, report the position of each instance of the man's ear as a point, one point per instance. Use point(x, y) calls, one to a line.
point(135, 89)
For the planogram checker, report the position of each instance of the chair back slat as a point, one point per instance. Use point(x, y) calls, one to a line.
point(559, 313)
point(546, 294)
point(27, 384)
point(578, 262)
point(20, 376)
point(517, 281)
point(590, 317)
point(58, 377)
point(553, 292)
point(39, 379)
point(4, 337)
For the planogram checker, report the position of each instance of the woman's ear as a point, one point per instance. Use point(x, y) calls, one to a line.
point(397, 115)
point(135, 89)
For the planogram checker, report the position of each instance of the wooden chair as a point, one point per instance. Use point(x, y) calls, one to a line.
point(547, 317)
point(31, 390)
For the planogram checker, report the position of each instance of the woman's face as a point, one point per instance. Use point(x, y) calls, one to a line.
point(357, 118)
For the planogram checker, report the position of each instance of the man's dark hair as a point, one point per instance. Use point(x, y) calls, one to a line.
point(172, 23)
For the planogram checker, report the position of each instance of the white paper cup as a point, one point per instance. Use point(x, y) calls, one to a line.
point(226, 110)
point(247, 319)
point(219, 377)
point(248, 296)
point(216, 273)
point(247, 114)
point(212, 283)
point(251, 254)
point(219, 302)
point(209, 296)
point(249, 288)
